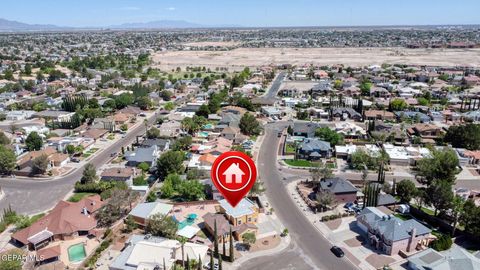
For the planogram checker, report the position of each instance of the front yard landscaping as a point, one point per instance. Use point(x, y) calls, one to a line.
point(76, 197)
point(299, 163)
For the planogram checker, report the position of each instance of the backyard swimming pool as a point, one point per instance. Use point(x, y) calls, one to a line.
point(76, 253)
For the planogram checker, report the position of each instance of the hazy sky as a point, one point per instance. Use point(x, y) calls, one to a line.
point(244, 12)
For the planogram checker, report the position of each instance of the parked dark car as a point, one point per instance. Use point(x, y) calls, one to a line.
point(337, 251)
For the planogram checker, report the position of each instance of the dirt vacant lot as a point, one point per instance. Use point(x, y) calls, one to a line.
point(239, 58)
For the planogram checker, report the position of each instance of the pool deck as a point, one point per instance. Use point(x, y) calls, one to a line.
point(90, 246)
point(181, 212)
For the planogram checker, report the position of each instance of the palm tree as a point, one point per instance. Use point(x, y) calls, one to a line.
point(145, 122)
point(182, 241)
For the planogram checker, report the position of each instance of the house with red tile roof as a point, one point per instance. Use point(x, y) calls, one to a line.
point(66, 221)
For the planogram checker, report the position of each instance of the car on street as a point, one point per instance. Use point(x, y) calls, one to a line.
point(337, 251)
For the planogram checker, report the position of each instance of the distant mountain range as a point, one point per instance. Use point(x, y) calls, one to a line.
point(14, 26)
point(6, 25)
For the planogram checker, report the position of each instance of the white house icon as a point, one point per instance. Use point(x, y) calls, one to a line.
point(234, 169)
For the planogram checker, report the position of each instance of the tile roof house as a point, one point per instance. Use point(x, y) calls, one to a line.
point(379, 115)
point(314, 149)
point(65, 221)
point(342, 189)
point(390, 234)
point(456, 258)
point(426, 131)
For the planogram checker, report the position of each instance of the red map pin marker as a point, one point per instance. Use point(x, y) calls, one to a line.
point(233, 173)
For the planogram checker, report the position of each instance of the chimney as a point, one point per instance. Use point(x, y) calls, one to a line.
point(410, 246)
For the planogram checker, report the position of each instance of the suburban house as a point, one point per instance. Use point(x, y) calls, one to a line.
point(233, 134)
point(66, 221)
point(150, 252)
point(244, 212)
point(304, 129)
point(314, 149)
point(119, 174)
point(390, 234)
point(94, 133)
point(346, 113)
point(162, 144)
point(342, 189)
point(24, 163)
point(427, 132)
point(456, 258)
point(143, 211)
point(379, 115)
point(148, 155)
point(170, 129)
point(60, 116)
point(223, 226)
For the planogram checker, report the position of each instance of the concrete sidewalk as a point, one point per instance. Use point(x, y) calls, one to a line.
point(238, 263)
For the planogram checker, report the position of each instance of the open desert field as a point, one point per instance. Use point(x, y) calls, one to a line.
point(239, 58)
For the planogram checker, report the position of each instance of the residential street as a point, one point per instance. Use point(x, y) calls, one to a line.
point(308, 240)
point(30, 196)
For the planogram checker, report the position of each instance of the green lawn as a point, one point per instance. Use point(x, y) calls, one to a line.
point(425, 210)
point(76, 197)
point(299, 162)
point(290, 149)
point(37, 217)
point(402, 216)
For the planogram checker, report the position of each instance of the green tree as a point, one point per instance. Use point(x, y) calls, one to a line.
point(441, 165)
point(4, 140)
point(144, 167)
point(470, 218)
point(249, 125)
point(326, 134)
point(203, 111)
point(7, 160)
point(365, 88)
point(464, 136)
point(70, 149)
point(153, 133)
point(457, 210)
point(191, 190)
point(89, 174)
point(40, 164)
point(439, 194)
point(151, 197)
point(130, 224)
point(34, 142)
point(360, 158)
point(170, 162)
point(28, 69)
point(398, 104)
point(182, 144)
point(169, 106)
point(406, 190)
point(161, 225)
point(249, 239)
point(144, 103)
point(324, 199)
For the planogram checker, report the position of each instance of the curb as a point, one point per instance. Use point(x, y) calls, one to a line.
point(282, 246)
